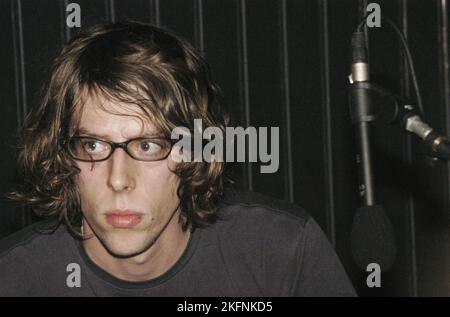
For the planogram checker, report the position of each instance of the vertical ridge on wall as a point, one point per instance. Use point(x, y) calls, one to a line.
point(65, 30)
point(110, 10)
point(243, 66)
point(445, 73)
point(19, 61)
point(407, 157)
point(12, 216)
point(326, 112)
point(155, 15)
point(199, 34)
point(306, 111)
point(20, 79)
point(342, 20)
point(265, 90)
point(445, 95)
point(221, 42)
point(288, 170)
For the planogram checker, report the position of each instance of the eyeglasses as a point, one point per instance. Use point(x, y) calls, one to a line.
point(88, 149)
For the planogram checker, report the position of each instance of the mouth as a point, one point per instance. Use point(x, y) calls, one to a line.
point(123, 219)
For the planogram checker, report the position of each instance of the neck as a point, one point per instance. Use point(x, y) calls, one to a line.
point(153, 262)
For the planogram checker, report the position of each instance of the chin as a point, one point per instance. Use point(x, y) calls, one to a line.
point(127, 244)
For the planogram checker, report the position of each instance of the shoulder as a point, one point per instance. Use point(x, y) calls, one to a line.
point(244, 208)
point(254, 223)
point(27, 238)
point(249, 202)
point(23, 254)
point(282, 243)
point(264, 237)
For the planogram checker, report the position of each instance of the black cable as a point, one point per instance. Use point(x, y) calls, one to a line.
point(408, 57)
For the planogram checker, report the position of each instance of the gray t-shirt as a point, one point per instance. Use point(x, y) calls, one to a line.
point(259, 247)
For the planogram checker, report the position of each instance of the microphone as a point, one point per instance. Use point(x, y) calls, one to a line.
point(362, 113)
point(410, 120)
point(372, 236)
point(359, 60)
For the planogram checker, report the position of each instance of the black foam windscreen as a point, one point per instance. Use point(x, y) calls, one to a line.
point(372, 238)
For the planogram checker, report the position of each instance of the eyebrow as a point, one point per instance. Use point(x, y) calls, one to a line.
point(86, 132)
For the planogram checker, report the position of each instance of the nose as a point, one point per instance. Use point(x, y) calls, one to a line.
point(121, 171)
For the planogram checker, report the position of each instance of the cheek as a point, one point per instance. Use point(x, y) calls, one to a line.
point(160, 178)
point(88, 182)
point(87, 176)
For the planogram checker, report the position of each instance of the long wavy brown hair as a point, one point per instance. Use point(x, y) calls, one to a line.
point(133, 63)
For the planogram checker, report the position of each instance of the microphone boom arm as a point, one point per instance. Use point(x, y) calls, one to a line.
point(404, 113)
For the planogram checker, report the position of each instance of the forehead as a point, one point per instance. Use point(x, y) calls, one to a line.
point(114, 120)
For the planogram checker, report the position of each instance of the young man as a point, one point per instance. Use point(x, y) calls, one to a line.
point(97, 156)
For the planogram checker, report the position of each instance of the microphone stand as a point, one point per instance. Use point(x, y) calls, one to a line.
point(372, 237)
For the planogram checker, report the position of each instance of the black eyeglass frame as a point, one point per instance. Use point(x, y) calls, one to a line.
point(114, 146)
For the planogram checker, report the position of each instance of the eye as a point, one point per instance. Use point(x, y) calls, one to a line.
point(149, 147)
point(93, 146)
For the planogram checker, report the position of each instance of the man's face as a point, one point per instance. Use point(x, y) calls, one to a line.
point(146, 190)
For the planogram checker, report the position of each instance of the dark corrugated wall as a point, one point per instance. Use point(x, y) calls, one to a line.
point(282, 63)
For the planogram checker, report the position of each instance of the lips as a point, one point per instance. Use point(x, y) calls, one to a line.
point(123, 219)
